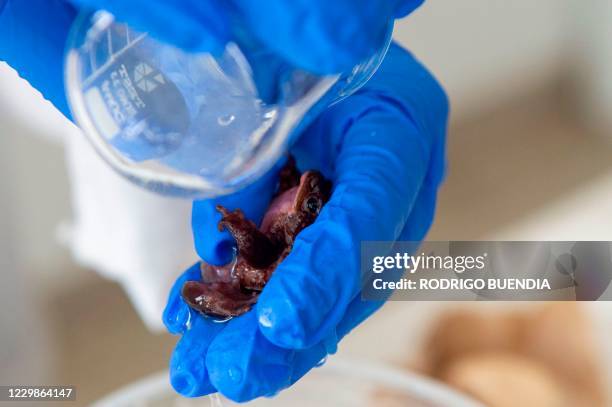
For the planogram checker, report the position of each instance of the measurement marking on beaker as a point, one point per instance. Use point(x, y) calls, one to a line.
point(109, 42)
point(98, 71)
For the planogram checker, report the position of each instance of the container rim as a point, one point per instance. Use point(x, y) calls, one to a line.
point(411, 384)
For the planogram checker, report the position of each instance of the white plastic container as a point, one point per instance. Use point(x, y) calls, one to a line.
point(338, 383)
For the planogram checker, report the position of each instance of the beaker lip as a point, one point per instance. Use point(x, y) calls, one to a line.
point(351, 82)
point(160, 164)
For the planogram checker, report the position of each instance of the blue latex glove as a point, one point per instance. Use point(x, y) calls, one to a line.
point(319, 35)
point(383, 148)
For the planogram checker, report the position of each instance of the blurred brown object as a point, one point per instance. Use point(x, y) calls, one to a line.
point(463, 332)
point(384, 397)
point(505, 380)
point(561, 337)
point(543, 357)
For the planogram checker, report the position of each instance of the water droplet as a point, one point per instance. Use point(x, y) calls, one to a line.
point(188, 322)
point(272, 394)
point(269, 114)
point(216, 319)
point(215, 400)
point(321, 362)
point(234, 261)
point(235, 374)
point(226, 120)
point(264, 318)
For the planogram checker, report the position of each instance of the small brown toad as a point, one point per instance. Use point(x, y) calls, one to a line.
point(231, 290)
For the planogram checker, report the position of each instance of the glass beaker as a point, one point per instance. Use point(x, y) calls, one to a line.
point(192, 124)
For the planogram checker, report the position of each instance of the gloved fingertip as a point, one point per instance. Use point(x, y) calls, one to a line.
point(242, 364)
point(244, 383)
point(218, 252)
point(188, 373)
point(177, 315)
point(186, 385)
point(186, 381)
point(177, 318)
point(229, 380)
point(406, 7)
point(213, 246)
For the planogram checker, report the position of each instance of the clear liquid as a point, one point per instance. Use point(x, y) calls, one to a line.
point(215, 400)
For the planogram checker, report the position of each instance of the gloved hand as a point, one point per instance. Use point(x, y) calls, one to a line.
point(319, 35)
point(383, 148)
